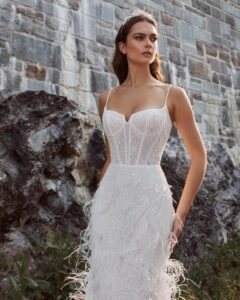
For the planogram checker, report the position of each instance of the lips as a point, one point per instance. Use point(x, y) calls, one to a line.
point(147, 52)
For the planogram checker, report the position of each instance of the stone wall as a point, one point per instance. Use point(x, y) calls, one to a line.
point(65, 47)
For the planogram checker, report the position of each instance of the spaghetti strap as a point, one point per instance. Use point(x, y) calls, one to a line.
point(167, 94)
point(108, 97)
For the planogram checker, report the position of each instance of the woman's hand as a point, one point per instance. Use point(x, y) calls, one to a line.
point(177, 228)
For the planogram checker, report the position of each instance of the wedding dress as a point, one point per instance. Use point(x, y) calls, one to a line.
point(126, 245)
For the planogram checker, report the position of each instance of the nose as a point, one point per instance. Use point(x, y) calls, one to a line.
point(148, 42)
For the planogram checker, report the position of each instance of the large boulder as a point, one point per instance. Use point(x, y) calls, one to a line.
point(215, 211)
point(47, 162)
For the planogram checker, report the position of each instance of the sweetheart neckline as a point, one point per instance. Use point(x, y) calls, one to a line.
point(138, 112)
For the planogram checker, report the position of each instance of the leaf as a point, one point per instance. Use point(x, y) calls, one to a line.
point(43, 284)
point(13, 282)
point(23, 264)
point(29, 282)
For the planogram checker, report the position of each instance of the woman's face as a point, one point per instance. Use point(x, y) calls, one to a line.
point(141, 38)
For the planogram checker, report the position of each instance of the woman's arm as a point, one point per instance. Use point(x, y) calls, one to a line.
point(107, 161)
point(185, 122)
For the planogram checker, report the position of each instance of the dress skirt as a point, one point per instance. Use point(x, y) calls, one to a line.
point(126, 245)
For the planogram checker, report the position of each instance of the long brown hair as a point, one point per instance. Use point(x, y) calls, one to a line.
point(119, 62)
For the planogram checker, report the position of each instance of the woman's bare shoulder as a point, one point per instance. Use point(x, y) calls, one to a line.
point(181, 104)
point(176, 88)
point(102, 100)
point(103, 95)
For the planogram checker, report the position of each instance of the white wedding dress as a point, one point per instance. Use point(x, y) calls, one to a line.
point(126, 245)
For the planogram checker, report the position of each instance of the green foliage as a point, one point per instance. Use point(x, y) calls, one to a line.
point(217, 276)
point(40, 275)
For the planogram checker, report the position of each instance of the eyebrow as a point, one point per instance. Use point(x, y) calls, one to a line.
point(145, 34)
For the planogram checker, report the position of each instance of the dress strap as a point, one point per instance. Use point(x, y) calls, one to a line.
point(108, 97)
point(167, 93)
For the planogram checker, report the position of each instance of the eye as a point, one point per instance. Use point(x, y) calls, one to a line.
point(141, 37)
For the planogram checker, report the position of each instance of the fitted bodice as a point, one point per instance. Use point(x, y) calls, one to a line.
point(142, 138)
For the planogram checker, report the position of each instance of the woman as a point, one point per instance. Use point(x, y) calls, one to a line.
point(133, 227)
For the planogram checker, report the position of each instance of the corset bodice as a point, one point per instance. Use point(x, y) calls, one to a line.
point(139, 140)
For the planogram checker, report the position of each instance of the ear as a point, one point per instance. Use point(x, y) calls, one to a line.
point(122, 47)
